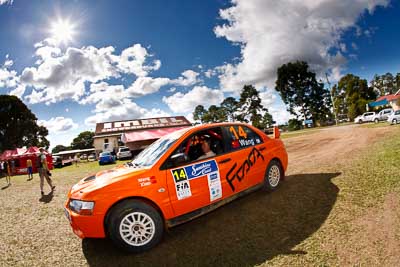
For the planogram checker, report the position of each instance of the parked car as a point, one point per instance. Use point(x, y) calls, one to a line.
point(177, 178)
point(57, 162)
point(394, 118)
point(92, 157)
point(106, 158)
point(383, 115)
point(83, 157)
point(366, 117)
point(124, 153)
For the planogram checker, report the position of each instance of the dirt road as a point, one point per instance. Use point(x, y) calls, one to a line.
point(328, 147)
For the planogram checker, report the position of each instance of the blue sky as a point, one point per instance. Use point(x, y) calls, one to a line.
point(77, 62)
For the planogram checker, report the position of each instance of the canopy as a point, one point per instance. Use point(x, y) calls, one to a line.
point(8, 154)
point(148, 134)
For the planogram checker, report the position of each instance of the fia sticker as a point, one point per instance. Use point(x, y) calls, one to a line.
point(183, 190)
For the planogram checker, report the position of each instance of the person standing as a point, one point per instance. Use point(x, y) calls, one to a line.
point(30, 170)
point(7, 172)
point(1, 168)
point(44, 171)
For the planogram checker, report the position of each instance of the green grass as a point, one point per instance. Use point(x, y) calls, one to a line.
point(375, 125)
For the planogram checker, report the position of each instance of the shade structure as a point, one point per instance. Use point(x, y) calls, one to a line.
point(148, 134)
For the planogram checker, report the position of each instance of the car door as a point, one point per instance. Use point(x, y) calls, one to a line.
point(193, 183)
point(240, 167)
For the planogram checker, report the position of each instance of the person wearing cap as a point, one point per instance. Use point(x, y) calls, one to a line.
point(206, 147)
point(44, 171)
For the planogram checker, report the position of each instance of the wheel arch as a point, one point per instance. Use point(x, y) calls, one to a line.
point(281, 165)
point(139, 198)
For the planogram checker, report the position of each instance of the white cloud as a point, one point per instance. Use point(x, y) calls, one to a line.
point(2, 2)
point(62, 75)
point(188, 78)
point(132, 60)
point(272, 33)
point(199, 95)
point(146, 85)
point(58, 124)
point(126, 110)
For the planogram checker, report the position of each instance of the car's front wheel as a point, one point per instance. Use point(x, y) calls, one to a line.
point(273, 175)
point(135, 226)
point(376, 121)
point(394, 121)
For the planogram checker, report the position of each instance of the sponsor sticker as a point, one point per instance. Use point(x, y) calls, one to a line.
point(183, 176)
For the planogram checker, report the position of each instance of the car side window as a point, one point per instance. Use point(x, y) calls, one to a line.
point(192, 148)
point(397, 112)
point(240, 136)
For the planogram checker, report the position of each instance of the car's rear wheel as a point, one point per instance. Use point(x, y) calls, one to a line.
point(273, 175)
point(135, 226)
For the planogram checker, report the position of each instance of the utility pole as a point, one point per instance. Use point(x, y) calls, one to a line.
point(330, 93)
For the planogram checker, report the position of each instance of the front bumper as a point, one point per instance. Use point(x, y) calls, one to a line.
point(85, 226)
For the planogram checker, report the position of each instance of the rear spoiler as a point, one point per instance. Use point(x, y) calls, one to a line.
point(277, 133)
point(274, 131)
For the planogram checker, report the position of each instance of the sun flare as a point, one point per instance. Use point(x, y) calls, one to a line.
point(63, 31)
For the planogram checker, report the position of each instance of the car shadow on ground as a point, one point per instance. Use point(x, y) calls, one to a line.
point(246, 232)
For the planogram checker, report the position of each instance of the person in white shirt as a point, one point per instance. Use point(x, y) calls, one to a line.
point(205, 146)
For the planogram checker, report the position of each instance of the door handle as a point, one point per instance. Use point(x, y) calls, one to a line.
point(224, 161)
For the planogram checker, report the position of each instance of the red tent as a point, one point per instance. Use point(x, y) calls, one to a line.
point(21, 155)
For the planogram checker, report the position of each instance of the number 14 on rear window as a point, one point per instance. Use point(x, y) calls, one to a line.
point(238, 132)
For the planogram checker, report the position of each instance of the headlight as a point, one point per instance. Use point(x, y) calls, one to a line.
point(81, 207)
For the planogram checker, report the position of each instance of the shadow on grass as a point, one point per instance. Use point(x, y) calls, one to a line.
point(47, 198)
point(246, 232)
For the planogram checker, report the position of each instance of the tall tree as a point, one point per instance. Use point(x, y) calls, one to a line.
point(59, 148)
point(214, 114)
point(199, 113)
point(300, 90)
point(385, 84)
point(351, 95)
point(83, 140)
point(230, 106)
point(18, 125)
point(250, 107)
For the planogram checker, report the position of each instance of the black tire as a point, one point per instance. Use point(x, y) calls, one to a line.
point(273, 176)
point(394, 121)
point(127, 211)
point(376, 121)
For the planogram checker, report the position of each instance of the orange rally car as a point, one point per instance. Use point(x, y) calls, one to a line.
point(179, 177)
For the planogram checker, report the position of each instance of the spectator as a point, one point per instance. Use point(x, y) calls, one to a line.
point(29, 167)
point(44, 171)
point(8, 172)
point(1, 168)
point(12, 167)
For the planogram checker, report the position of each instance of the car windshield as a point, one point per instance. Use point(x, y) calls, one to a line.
point(124, 150)
point(104, 154)
point(152, 153)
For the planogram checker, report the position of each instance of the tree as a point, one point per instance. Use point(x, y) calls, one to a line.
point(300, 90)
point(385, 84)
point(18, 125)
point(59, 148)
point(199, 113)
point(294, 125)
point(230, 106)
point(250, 107)
point(351, 95)
point(266, 121)
point(83, 140)
point(214, 114)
